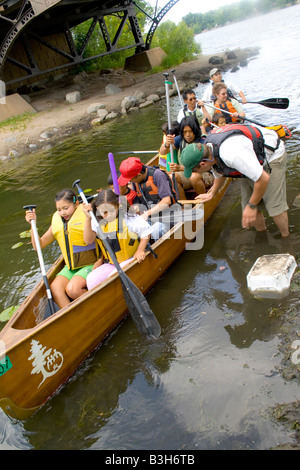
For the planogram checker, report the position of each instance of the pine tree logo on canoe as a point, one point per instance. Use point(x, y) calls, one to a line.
point(47, 362)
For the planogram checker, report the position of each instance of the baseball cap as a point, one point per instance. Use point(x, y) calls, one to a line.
point(129, 168)
point(213, 71)
point(190, 157)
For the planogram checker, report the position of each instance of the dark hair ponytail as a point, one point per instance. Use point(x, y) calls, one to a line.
point(105, 196)
point(66, 194)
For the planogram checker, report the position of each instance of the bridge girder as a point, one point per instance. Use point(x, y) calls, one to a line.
point(24, 23)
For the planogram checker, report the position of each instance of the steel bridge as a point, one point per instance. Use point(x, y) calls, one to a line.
point(36, 36)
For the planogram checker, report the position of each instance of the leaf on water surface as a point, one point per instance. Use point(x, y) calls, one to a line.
point(8, 313)
point(17, 245)
point(25, 234)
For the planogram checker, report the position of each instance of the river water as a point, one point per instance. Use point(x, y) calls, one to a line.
point(214, 377)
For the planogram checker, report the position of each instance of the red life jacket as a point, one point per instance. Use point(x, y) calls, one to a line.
point(218, 135)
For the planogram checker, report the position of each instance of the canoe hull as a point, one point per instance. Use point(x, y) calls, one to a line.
point(40, 356)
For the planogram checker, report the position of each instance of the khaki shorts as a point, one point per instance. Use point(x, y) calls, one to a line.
point(275, 196)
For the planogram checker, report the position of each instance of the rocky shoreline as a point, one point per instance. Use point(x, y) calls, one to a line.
point(77, 103)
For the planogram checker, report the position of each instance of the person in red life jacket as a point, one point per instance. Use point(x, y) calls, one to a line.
point(255, 154)
point(130, 194)
point(224, 103)
point(154, 190)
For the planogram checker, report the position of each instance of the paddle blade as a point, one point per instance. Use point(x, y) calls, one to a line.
point(275, 103)
point(139, 309)
point(279, 103)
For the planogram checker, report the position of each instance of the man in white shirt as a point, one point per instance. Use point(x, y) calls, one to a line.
point(261, 182)
point(216, 76)
point(193, 107)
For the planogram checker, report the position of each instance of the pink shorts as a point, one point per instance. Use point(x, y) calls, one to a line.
point(100, 274)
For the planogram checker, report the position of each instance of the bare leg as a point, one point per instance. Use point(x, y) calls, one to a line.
point(181, 192)
point(198, 183)
point(58, 289)
point(260, 223)
point(76, 287)
point(282, 223)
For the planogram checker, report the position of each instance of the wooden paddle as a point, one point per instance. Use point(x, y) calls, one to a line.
point(53, 307)
point(275, 103)
point(137, 304)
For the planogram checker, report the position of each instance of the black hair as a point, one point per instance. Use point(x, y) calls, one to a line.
point(174, 128)
point(193, 123)
point(186, 93)
point(107, 196)
point(216, 117)
point(66, 194)
point(110, 179)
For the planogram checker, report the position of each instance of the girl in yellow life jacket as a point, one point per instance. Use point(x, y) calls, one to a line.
point(67, 229)
point(128, 235)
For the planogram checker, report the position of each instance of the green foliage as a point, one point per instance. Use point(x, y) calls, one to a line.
point(95, 44)
point(230, 13)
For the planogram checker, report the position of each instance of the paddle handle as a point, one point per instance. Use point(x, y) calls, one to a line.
point(231, 114)
point(168, 112)
point(114, 173)
point(177, 88)
point(41, 259)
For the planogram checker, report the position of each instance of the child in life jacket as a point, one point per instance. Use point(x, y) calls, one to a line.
point(128, 235)
point(67, 228)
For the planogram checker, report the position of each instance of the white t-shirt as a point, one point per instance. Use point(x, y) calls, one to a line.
point(237, 152)
point(135, 223)
point(208, 91)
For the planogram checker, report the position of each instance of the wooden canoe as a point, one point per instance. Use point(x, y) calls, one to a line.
point(41, 354)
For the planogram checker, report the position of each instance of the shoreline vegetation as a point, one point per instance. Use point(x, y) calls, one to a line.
point(102, 96)
point(232, 13)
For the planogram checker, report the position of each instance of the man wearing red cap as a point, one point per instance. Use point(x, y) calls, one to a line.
point(153, 187)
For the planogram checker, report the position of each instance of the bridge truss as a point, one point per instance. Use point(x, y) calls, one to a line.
point(28, 30)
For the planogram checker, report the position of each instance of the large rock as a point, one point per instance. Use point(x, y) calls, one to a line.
point(112, 89)
point(93, 108)
point(73, 97)
point(129, 102)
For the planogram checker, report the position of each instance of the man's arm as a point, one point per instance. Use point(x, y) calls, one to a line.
point(250, 213)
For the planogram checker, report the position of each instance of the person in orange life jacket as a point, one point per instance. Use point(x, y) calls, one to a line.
point(70, 282)
point(128, 234)
point(192, 107)
point(216, 76)
point(126, 191)
point(154, 189)
point(227, 104)
point(235, 148)
point(189, 132)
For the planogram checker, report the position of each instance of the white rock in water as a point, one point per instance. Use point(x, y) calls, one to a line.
point(271, 275)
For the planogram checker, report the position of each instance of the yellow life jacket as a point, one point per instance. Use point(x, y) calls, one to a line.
point(69, 236)
point(123, 242)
